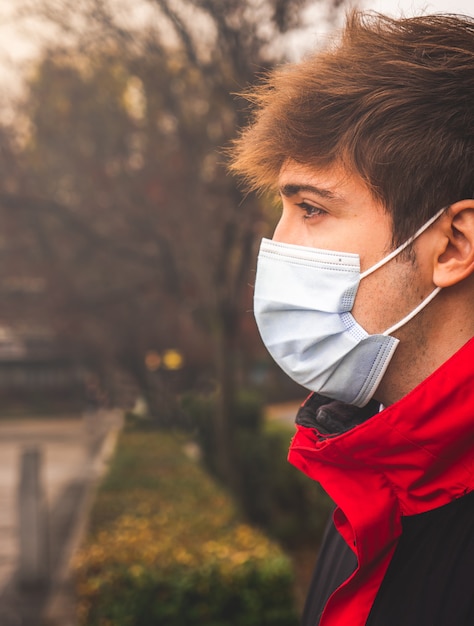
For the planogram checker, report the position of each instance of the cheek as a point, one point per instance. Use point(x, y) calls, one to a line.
point(369, 305)
point(387, 296)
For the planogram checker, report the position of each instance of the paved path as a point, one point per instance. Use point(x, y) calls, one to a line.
point(72, 451)
point(283, 411)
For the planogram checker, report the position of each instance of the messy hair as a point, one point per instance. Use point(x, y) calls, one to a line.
point(392, 100)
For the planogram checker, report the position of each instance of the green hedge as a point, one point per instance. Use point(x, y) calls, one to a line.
point(282, 500)
point(276, 496)
point(167, 547)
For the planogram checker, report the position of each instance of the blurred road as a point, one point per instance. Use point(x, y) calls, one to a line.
point(283, 411)
point(74, 452)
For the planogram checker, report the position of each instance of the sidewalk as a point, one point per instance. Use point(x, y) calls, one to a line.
point(74, 452)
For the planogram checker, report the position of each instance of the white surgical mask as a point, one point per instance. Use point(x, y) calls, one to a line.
point(302, 303)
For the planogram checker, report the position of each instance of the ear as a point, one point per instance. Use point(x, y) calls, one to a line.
point(455, 253)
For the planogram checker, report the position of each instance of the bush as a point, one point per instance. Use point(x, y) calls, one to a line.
point(166, 547)
point(291, 507)
point(273, 494)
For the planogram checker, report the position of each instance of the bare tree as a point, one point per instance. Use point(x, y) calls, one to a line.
point(143, 232)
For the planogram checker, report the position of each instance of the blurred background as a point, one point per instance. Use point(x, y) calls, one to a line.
point(127, 256)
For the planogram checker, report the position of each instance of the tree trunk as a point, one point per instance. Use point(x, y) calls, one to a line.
point(225, 406)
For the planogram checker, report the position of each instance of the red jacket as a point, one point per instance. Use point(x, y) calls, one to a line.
point(415, 456)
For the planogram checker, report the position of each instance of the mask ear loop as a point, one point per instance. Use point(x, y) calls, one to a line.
point(415, 311)
point(410, 240)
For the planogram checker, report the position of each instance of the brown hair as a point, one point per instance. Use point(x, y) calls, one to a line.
point(392, 100)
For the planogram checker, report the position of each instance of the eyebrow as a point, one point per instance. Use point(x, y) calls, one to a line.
point(290, 190)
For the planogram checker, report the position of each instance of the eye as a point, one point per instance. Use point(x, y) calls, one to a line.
point(310, 210)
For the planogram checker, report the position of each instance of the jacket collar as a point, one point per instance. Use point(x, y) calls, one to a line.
point(413, 456)
point(422, 445)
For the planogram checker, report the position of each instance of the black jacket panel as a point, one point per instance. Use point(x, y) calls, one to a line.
point(416, 590)
point(430, 581)
point(336, 562)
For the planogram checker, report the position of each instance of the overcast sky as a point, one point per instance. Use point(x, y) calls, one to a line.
point(414, 7)
point(17, 45)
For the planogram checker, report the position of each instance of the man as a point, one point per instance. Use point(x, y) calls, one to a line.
point(366, 297)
